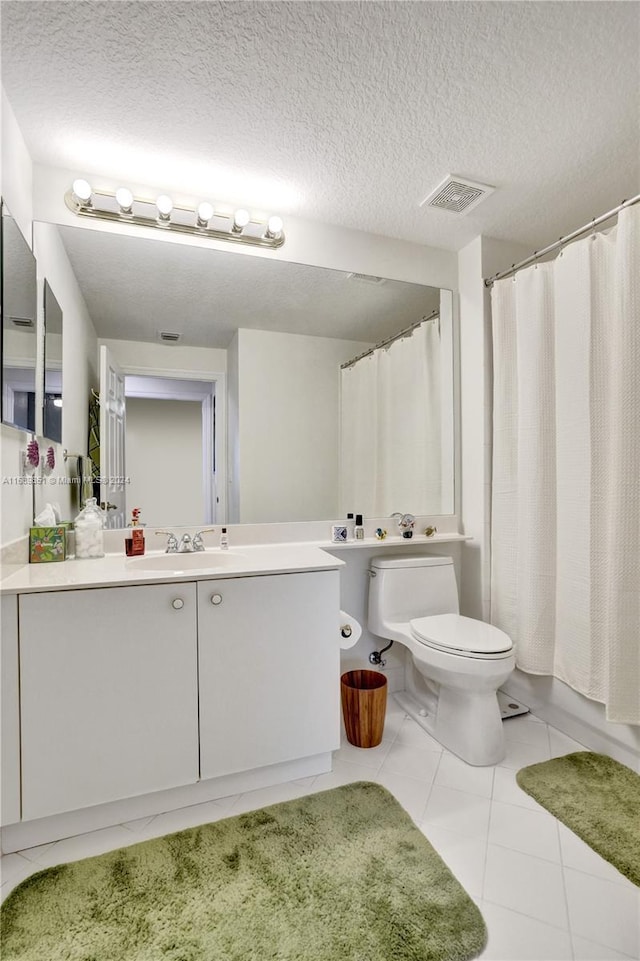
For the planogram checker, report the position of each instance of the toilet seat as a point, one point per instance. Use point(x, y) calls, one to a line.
point(462, 636)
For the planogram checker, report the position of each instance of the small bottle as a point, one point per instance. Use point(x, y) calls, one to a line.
point(359, 529)
point(224, 540)
point(350, 527)
point(134, 545)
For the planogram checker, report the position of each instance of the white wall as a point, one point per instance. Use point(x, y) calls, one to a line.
point(163, 458)
point(134, 356)
point(481, 258)
point(289, 422)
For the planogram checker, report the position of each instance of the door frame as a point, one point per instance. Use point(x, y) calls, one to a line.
point(215, 489)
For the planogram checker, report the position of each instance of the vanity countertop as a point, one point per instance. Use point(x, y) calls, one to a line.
point(117, 570)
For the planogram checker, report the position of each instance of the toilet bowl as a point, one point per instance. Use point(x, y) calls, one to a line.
point(457, 663)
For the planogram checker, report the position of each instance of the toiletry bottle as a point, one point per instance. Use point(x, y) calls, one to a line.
point(224, 540)
point(359, 529)
point(134, 545)
point(350, 527)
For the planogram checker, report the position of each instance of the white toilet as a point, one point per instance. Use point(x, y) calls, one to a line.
point(458, 663)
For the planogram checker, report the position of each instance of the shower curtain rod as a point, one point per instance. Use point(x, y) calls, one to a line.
point(390, 340)
point(561, 242)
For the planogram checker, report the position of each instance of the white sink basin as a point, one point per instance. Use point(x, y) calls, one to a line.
point(178, 563)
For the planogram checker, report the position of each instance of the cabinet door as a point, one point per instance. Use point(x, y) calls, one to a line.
point(269, 662)
point(9, 712)
point(108, 695)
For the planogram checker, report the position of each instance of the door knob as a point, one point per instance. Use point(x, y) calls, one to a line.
point(177, 603)
point(216, 599)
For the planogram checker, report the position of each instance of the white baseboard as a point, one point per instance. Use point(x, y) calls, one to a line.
point(576, 716)
point(28, 834)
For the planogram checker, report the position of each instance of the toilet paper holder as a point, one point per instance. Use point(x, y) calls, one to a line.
point(350, 630)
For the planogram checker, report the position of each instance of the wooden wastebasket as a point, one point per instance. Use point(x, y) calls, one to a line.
point(364, 703)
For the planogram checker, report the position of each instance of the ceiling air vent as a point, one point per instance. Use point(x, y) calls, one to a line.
point(24, 323)
point(366, 278)
point(457, 195)
point(167, 337)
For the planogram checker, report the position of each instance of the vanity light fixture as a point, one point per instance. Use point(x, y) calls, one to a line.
point(205, 213)
point(240, 220)
point(81, 191)
point(203, 220)
point(165, 206)
point(274, 228)
point(124, 198)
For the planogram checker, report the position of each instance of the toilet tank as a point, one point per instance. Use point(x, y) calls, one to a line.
point(403, 588)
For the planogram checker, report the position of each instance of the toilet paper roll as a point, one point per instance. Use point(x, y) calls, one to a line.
point(350, 631)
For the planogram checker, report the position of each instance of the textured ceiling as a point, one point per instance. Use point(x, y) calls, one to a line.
point(133, 288)
point(347, 113)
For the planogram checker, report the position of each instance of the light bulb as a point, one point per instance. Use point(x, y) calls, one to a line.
point(81, 191)
point(57, 401)
point(274, 227)
point(240, 220)
point(165, 206)
point(205, 213)
point(124, 198)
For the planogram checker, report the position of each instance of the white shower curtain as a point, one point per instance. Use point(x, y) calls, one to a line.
point(566, 466)
point(391, 428)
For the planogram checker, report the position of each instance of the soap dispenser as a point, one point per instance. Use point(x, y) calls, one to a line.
point(134, 545)
point(224, 540)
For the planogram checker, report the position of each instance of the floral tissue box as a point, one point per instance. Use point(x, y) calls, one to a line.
point(48, 544)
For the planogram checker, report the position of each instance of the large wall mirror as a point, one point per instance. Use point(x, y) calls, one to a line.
point(221, 378)
point(19, 328)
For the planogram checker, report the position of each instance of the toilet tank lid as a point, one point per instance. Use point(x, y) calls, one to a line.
point(412, 560)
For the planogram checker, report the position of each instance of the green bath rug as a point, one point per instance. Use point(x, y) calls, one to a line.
point(597, 798)
point(343, 875)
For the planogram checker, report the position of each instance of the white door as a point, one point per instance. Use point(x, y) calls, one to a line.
point(109, 695)
point(112, 437)
point(269, 670)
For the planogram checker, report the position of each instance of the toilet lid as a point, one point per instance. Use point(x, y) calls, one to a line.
point(461, 635)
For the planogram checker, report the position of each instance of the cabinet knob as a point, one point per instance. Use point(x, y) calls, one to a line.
point(216, 599)
point(177, 603)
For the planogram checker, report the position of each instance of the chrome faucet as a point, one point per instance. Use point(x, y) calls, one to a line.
point(406, 521)
point(172, 542)
point(187, 544)
point(197, 544)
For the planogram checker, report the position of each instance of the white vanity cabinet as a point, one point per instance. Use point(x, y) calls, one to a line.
point(108, 694)
point(269, 666)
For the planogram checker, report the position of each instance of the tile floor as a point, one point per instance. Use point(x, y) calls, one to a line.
point(544, 893)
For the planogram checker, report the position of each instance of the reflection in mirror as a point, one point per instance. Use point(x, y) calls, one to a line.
point(397, 444)
point(270, 336)
point(19, 325)
point(52, 413)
